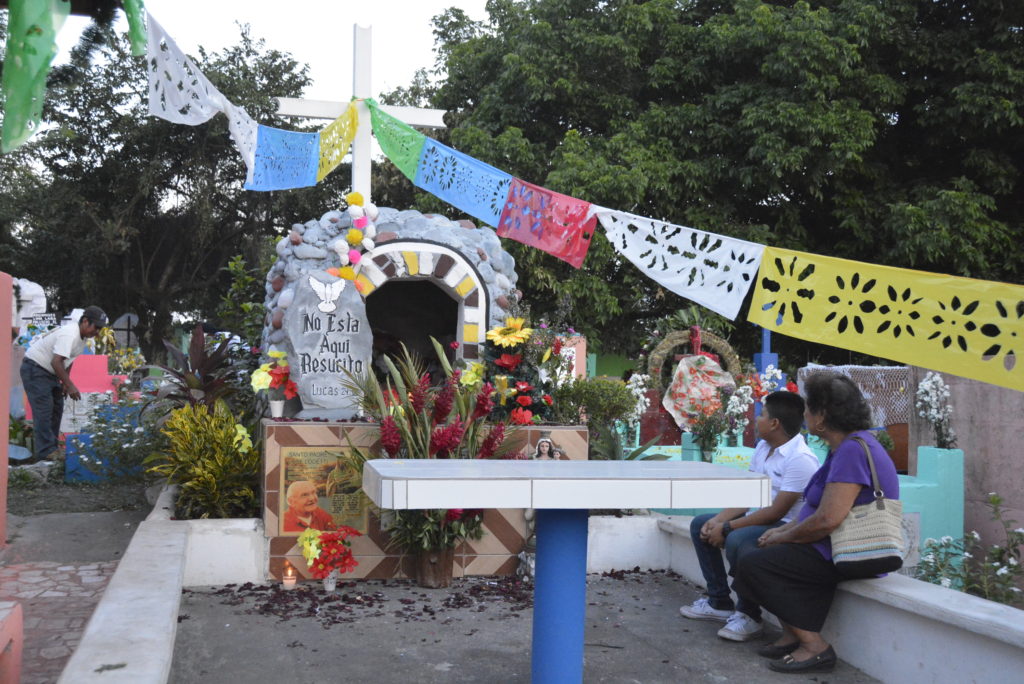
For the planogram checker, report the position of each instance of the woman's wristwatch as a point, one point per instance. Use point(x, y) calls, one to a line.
point(726, 528)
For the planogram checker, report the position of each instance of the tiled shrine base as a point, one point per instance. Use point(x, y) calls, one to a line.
point(57, 600)
point(505, 531)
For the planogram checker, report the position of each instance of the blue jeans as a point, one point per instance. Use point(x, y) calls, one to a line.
point(46, 397)
point(737, 544)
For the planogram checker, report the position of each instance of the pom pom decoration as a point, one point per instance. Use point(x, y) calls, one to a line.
point(371, 210)
point(354, 198)
point(371, 231)
point(347, 273)
point(355, 211)
point(360, 222)
point(354, 237)
point(367, 244)
point(354, 256)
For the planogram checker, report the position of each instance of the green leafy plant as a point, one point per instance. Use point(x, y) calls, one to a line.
point(597, 400)
point(199, 378)
point(212, 460)
point(19, 478)
point(418, 420)
point(606, 445)
point(991, 572)
point(19, 432)
point(241, 308)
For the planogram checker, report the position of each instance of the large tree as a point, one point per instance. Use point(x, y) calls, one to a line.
point(132, 212)
point(890, 132)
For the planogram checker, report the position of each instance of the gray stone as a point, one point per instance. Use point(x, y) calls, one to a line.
point(299, 228)
point(277, 336)
point(313, 234)
point(283, 247)
point(486, 272)
point(286, 297)
point(307, 251)
point(329, 334)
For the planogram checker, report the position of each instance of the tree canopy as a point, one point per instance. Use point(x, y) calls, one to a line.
point(113, 207)
point(888, 132)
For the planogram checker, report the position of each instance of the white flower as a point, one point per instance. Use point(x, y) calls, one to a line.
point(946, 582)
point(946, 539)
point(975, 535)
point(967, 554)
point(1012, 561)
point(1003, 571)
point(1015, 589)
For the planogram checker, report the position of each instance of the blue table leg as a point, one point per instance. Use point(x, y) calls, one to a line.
point(560, 596)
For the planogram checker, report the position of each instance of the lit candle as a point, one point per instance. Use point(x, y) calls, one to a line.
point(290, 579)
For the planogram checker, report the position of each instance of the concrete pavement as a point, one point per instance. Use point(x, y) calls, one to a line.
point(477, 631)
point(57, 566)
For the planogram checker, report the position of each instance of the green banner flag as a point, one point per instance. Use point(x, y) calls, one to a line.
point(400, 142)
point(133, 10)
point(31, 47)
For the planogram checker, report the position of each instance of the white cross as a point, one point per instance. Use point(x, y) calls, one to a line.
point(323, 109)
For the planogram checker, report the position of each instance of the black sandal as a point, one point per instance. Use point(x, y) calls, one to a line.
point(823, 662)
point(774, 652)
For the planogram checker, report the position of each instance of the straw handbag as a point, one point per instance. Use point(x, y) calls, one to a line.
point(870, 540)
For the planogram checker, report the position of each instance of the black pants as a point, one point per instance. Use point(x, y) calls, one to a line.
point(793, 581)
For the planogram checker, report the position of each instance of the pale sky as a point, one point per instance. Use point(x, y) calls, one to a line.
point(315, 32)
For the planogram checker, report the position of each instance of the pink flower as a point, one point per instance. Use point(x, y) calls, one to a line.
point(454, 344)
point(492, 441)
point(452, 515)
point(484, 404)
point(419, 393)
point(447, 438)
point(390, 437)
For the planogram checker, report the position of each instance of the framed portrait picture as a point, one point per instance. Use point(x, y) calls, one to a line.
point(322, 489)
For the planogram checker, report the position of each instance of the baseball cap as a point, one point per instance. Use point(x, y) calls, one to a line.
point(96, 315)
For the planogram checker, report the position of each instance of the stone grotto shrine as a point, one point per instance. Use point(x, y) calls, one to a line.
point(426, 276)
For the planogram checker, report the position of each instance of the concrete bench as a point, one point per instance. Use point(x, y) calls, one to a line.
point(12, 640)
point(900, 629)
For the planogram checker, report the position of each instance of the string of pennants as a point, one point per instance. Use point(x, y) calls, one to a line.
point(967, 327)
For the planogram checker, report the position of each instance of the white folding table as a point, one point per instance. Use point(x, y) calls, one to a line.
point(562, 492)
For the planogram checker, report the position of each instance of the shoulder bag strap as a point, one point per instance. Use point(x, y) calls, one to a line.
point(879, 494)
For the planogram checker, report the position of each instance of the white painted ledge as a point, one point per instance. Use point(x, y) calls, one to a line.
point(900, 629)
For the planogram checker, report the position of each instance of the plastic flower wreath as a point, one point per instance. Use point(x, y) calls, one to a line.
point(512, 334)
point(274, 377)
point(328, 551)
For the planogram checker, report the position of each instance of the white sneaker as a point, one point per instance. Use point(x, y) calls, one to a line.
point(740, 627)
point(701, 610)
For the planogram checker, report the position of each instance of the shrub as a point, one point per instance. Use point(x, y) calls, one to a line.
point(964, 564)
point(215, 467)
point(597, 400)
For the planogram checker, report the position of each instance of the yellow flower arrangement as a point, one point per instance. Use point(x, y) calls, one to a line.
point(474, 375)
point(512, 334)
point(354, 237)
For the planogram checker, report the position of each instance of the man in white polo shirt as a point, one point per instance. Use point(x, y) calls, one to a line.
point(782, 455)
point(45, 375)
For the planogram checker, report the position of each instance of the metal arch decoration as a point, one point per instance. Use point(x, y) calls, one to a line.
point(445, 267)
point(659, 356)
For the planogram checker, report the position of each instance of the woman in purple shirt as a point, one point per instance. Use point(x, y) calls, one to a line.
point(791, 573)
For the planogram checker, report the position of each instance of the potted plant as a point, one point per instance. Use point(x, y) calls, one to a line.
point(329, 554)
point(274, 377)
point(419, 420)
